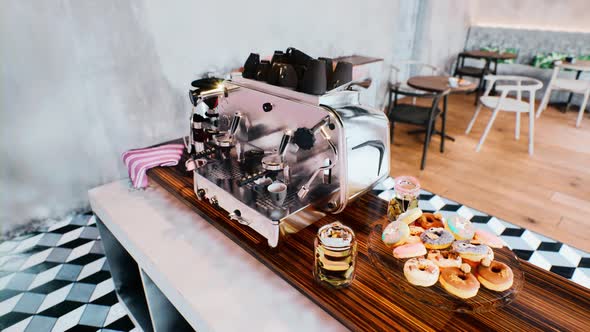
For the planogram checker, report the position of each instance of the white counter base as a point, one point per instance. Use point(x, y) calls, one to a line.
point(179, 266)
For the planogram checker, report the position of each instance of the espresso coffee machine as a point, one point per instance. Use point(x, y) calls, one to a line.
point(246, 134)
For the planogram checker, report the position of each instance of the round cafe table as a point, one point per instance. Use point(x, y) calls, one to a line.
point(490, 56)
point(438, 84)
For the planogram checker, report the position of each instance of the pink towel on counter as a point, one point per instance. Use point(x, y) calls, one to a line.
point(138, 161)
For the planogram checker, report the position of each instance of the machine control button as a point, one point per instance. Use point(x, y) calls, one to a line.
point(213, 200)
point(201, 193)
point(267, 107)
point(237, 216)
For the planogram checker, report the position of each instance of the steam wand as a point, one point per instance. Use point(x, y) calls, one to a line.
point(304, 190)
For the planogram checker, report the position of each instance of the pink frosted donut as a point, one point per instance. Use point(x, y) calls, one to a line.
point(487, 238)
point(409, 250)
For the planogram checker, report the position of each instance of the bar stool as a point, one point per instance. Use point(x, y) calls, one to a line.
point(572, 85)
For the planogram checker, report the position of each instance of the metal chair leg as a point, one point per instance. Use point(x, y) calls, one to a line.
point(392, 125)
point(443, 129)
point(426, 144)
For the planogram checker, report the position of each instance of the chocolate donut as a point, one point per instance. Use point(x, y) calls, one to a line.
point(429, 220)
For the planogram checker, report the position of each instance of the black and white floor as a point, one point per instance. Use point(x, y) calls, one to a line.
point(57, 279)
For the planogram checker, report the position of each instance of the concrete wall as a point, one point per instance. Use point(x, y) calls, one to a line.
point(571, 15)
point(444, 26)
point(82, 80)
point(432, 31)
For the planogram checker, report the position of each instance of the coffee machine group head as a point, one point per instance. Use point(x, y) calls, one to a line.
point(247, 137)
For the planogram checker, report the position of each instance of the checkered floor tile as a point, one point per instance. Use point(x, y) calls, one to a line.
point(57, 279)
point(535, 248)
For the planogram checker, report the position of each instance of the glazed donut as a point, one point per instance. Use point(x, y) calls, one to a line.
point(487, 238)
point(410, 215)
point(396, 233)
point(429, 220)
point(459, 283)
point(472, 252)
point(437, 238)
point(461, 228)
point(409, 250)
point(421, 272)
point(497, 277)
point(444, 258)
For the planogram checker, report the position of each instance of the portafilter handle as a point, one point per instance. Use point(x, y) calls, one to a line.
point(235, 123)
point(285, 140)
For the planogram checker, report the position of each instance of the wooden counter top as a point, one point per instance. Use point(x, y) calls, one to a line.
point(546, 302)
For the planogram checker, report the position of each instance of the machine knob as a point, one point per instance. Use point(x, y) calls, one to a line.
point(304, 138)
point(201, 193)
point(237, 216)
point(267, 107)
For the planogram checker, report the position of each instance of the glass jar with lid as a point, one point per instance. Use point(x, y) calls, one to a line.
point(406, 192)
point(335, 255)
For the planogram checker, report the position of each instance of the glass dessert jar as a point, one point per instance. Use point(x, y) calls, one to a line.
point(407, 190)
point(335, 255)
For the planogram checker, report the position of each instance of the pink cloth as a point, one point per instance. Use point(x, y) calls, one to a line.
point(138, 161)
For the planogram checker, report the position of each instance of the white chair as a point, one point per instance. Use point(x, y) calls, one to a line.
point(572, 85)
point(505, 103)
point(401, 71)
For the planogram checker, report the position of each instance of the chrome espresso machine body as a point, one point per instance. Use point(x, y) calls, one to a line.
point(245, 135)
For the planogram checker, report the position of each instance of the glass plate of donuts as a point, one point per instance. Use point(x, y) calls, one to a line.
point(395, 270)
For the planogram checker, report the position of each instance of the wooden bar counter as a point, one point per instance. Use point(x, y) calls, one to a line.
point(546, 302)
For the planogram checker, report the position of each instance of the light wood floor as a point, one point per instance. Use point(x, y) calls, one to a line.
point(548, 192)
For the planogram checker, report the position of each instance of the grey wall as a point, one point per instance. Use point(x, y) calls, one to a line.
point(82, 80)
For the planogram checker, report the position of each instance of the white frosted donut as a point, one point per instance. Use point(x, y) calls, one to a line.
point(421, 272)
point(445, 258)
point(410, 216)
